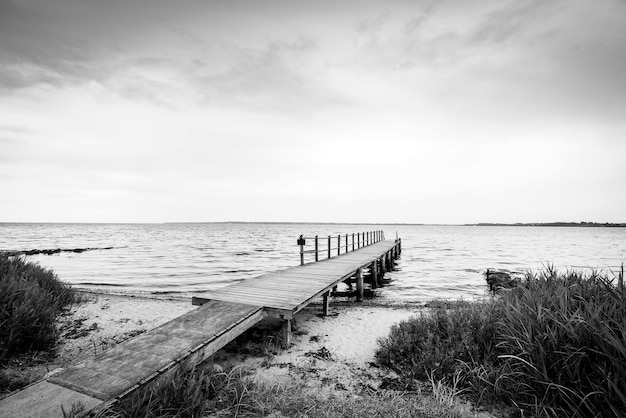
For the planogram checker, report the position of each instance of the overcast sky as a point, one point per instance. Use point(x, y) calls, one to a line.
point(418, 111)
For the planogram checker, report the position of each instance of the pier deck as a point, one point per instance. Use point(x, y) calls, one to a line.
point(190, 339)
point(285, 292)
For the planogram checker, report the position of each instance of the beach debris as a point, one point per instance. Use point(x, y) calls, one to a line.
point(76, 329)
point(322, 354)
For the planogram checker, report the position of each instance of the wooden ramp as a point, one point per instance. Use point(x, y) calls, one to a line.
point(193, 337)
point(120, 370)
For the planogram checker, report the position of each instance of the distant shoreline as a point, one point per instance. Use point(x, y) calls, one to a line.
point(569, 224)
point(577, 224)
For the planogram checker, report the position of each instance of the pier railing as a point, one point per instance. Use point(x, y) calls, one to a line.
point(338, 244)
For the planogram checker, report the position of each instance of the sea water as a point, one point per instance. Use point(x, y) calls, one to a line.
point(183, 259)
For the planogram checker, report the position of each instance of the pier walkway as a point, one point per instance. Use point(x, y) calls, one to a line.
point(190, 339)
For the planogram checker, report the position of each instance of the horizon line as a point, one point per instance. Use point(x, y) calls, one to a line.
point(555, 223)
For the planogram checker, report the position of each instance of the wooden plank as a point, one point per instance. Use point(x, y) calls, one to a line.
point(44, 399)
point(251, 301)
point(286, 283)
point(268, 294)
point(279, 285)
point(275, 293)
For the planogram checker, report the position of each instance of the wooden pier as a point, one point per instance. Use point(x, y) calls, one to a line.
point(223, 315)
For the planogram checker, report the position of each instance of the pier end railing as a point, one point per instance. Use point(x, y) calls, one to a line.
point(359, 240)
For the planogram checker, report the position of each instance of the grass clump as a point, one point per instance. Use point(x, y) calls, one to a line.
point(553, 346)
point(31, 298)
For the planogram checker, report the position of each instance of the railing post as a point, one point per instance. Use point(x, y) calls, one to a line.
point(358, 240)
point(329, 246)
point(347, 243)
point(301, 243)
point(353, 241)
point(316, 249)
point(338, 244)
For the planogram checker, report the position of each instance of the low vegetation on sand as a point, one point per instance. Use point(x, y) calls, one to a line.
point(31, 299)
point(552, 346)
point(202, 391)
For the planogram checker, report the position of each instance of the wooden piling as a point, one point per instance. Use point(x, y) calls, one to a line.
point(286, 333)
point(375, 275)
point(326, 303)
point(359, 285)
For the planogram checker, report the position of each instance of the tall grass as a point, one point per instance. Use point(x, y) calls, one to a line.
point(31, 298)
point(562, 346)
point(189, 392)
point(553, 346)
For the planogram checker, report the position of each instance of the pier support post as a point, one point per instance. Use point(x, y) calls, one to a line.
point(359, 285)
point(326, 303)
point(383, 265)
point(374, 270)
point(286, 333)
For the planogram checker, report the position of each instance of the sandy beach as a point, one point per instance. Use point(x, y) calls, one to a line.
point(337, 349)
point(329, 355)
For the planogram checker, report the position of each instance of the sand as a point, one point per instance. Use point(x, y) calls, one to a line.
point(336, 351)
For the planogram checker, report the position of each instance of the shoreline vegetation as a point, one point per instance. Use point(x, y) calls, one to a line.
point(548, 344)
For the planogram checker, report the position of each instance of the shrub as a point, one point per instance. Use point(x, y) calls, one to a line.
point(553, 346)
point(435, 344)
point(31, 298)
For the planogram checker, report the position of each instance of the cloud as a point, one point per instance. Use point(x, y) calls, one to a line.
point(278, 76)
point(124, 106)
point(34, 51)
